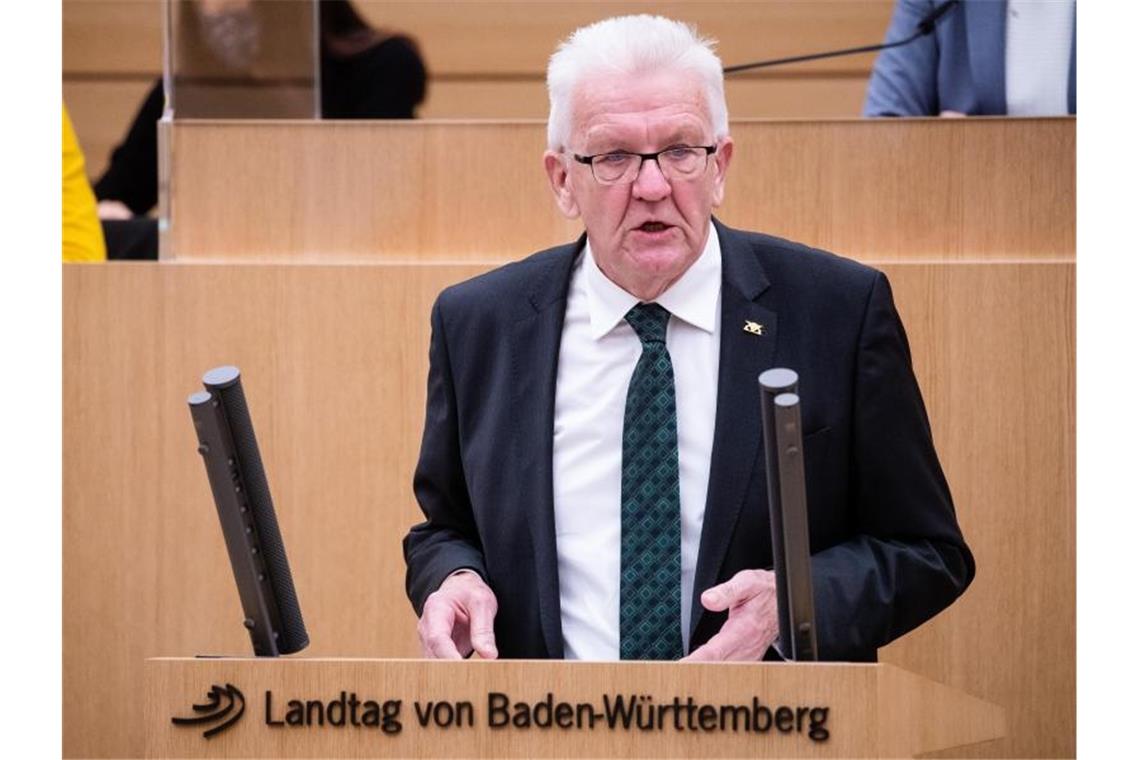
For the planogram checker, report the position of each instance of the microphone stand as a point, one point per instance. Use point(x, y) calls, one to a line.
point(923, 28)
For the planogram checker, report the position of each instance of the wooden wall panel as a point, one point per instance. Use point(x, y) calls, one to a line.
point(754, 97)
point(335, 360)
point(994, 350)
point(903, 189)
point(498, 38)
point(916, 189)
point(510, 38)
point(112, 37)
point(398, 190)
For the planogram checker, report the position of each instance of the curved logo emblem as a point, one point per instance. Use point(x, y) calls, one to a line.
point(224, 706)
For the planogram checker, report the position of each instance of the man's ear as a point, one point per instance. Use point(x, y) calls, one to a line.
point(559, 176)
point(721, 159)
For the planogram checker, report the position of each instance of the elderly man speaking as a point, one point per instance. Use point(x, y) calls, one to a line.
point(591, 469)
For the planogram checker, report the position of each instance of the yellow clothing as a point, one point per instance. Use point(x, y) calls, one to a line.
point(82, 233)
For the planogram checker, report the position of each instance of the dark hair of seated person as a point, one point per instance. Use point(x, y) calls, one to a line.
point(366, 73)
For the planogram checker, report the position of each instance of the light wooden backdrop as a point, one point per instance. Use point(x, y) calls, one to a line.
point(334, 359)
point(899, 189)
point(488, 59)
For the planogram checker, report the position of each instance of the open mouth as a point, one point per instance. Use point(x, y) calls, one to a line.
point(653, 227)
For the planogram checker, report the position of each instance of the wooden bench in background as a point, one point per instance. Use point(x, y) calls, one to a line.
point(900, 189)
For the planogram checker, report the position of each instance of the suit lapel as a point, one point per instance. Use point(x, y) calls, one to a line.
point(535, 340)
point(736, 439)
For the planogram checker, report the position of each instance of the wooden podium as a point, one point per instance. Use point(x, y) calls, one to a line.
point(416, 708)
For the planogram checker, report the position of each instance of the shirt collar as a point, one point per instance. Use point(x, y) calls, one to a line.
point(693, 298)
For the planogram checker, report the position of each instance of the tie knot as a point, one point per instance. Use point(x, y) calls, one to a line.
point(648, 320)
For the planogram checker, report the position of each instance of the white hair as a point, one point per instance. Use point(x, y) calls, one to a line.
point(631, 45)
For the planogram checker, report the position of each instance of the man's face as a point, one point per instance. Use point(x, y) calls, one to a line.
point(646, 234)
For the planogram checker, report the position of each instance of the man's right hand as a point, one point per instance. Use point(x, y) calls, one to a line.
point(458, 618)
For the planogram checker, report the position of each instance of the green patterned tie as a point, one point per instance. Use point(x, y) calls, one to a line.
point(650, 499)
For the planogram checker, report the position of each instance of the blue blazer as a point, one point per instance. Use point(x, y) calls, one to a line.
point(887, 550)
point(960, 67)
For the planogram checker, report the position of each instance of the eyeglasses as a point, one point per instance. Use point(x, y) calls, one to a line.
point(621, 168)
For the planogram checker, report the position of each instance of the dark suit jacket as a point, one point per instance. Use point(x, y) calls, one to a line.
point(887, 551)
point(960, 67)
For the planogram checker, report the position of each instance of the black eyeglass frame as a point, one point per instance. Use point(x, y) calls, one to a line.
point(589, 160)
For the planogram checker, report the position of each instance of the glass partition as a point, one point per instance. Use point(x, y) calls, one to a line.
point(234, 59)
point(241, 59)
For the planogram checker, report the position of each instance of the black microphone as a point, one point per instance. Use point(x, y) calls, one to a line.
point(249, 522)
point(788, 513)
point(923, 28)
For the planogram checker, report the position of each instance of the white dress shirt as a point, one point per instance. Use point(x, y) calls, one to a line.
point(1038, 45)
point(598, 353)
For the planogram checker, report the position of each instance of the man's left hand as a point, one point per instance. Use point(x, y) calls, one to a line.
point(752, 625)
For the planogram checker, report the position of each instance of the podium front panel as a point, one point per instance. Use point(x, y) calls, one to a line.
point(415, 708)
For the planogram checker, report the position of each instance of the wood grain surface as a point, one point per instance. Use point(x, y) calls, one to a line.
point(104, 38)
point(498, 38)
point(910, 189)
point(334, 361)
point(510, 38)
point(808, 97)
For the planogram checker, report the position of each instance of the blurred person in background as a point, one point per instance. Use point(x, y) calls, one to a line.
point(82, 236)
point(985, 57)
point(367, 73)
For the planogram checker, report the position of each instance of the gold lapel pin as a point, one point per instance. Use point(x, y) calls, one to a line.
point(753, 327)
